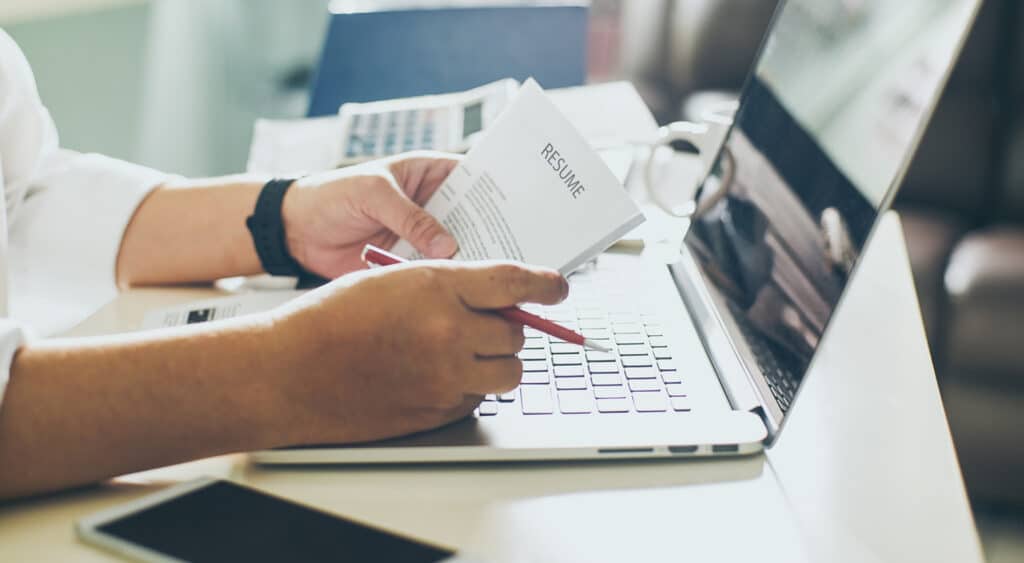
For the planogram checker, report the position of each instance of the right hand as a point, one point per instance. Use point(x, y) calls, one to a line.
point(400, 349)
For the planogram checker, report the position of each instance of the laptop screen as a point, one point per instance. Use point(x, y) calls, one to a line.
point(826, 125)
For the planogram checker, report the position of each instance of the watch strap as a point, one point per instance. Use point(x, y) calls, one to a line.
point(267, 229)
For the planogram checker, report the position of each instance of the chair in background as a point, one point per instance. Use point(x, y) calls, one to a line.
point(395, 53)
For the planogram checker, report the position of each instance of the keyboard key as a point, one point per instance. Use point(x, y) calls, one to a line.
point(626, 328)
point(633, 350)
point(649, 402)
point(564, 348)
point(613, 405)
point(535, 343)
point(641, 373)
point(599, 356)
point(533, 354)
point(507, 397)
point(535, 365)
point(644, 385)
point(658, 342)
point(681, 404)
point(662, 354)
point(629, 339)
point(666, 365)
point(575, 402)
point(536, 400)
point(596, 334)
point(490, 397)
point(610, 392)
point(654, 330)
point(671, 377)
point(569, 371)
point(567, 359)
point(675, 390)
point(535, 378)
point(488, 409)
point(571, 383)
point(599, 379)
point(586, 324)
point(603, 367)
point(636, 361)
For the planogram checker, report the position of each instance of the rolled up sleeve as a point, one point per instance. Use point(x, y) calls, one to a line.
point(66, 238)
point(11, 338)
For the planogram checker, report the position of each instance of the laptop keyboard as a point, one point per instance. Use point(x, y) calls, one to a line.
point(639, 375)
point(780, 379)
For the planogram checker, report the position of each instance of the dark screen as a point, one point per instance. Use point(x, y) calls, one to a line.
point(227, 522)
point(472, 119)
point(826, 125)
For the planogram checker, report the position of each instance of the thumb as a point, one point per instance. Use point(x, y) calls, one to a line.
point(408, 220)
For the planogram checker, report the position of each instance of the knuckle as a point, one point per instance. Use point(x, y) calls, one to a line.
point(442, 329)
point(515, 280)
point(428, 279)
point(418, 223)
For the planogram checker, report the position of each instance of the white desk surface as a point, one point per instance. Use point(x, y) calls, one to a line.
point(865, 470)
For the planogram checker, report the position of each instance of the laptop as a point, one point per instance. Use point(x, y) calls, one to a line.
point(711, 349)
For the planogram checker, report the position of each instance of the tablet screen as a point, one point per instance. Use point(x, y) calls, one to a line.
point(226, 522)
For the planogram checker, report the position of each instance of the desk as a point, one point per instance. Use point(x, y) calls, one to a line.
point(864, 471)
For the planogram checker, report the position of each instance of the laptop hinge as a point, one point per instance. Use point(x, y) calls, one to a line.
point(733, 373)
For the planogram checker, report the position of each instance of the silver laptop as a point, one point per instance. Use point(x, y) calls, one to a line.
point(711, 350)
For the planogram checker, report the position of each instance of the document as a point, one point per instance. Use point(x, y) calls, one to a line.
point(217, 308)
point(532, 189)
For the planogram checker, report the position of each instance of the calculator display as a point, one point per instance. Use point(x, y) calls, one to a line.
point(472, 119)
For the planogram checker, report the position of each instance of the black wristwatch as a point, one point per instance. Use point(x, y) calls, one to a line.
point(267, 228)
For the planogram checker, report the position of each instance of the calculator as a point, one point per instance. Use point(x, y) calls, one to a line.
point(445, 122)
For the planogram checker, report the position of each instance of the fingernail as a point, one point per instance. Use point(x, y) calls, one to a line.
point(442, 246)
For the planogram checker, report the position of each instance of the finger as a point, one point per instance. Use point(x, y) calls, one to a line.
point(493, 375)
point(462, 410)
point(496, 285)
point(404, 217)
point(493, 335)
point(420, 174)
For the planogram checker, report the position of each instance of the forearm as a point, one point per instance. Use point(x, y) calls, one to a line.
point(78, 411)
point(191, 232)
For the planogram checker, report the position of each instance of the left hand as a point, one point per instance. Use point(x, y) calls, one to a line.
point(330, 217)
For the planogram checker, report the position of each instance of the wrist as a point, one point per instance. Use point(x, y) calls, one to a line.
point(295, 211)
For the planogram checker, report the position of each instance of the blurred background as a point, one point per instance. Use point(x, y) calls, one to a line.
point(177, 84)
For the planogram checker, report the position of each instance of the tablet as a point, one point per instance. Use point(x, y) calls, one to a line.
point(217, 520)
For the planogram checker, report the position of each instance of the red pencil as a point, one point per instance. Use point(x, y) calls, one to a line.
point(375, 256)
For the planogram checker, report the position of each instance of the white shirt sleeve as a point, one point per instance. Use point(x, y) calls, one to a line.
point(66, 214)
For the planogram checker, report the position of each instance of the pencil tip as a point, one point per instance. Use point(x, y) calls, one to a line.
point(596, 346)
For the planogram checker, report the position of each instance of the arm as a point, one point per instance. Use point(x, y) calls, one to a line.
point(194, 230)
point(421, 355)
point(191, 231)
point(76, 411)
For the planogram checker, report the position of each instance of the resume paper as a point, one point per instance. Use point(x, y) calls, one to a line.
point(533, 190)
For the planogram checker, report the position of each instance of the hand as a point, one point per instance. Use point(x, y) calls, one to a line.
point(330, 217)
point(400, 349)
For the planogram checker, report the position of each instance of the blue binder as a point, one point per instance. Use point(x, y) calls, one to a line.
point(387, 54)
